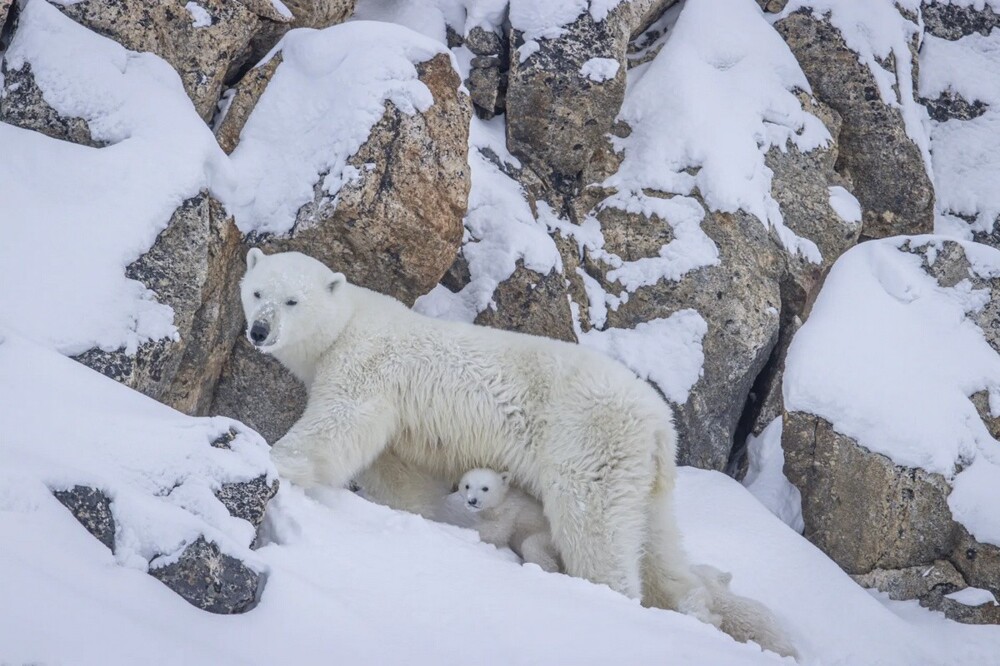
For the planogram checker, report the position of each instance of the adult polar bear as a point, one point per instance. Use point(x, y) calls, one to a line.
point(576, 429)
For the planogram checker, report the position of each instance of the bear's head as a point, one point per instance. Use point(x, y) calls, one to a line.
point(483, 489)
point(291, 301)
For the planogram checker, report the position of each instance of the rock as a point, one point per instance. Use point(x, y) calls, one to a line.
point(885, 165)
point(211, 580)
point(531, 303)
point(191, 268)
point(861, 509)
point(950, 105)
point(240, 102)
point(248, 499)
point(929, 584)
point(258, 388)
point(203, 54)
point(772, 6)
point(556, 115)
point(954, 21)
point(397, 228)
point(319, 13)
point(22, 104)
point(92, 508)
point(487, 82)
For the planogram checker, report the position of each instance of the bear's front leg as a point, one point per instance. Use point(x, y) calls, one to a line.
point(336, 438)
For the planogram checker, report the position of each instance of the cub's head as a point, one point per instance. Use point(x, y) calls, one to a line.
point(289, 298)
point(483, 489)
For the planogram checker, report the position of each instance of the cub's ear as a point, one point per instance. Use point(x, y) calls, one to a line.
point(336, 282)
point(253, 256)
point(505, 477)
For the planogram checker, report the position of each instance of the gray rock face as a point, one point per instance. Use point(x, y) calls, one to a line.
point(259, 391)
point(952, 21)
point(531, 303)
point(487, 82)
point(191, 268)
point(929, 584)
point(211, 580)
point(203, 55)
point(860, 508)
point(93, 509)
point(876, 154)
point(554, 137)
point(22, 104)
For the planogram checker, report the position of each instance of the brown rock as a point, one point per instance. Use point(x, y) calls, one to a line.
point(22, 104)
point(319, 13)
point(202, 55)
point(241, 102)
point(531, 303)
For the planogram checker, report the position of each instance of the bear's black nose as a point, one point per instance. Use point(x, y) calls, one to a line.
point(473, 501)
point(259, 331)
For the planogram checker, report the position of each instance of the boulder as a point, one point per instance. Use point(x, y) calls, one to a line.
point(239, 102)
point(876, 154)
point(953, 21)
point(192, 268)
point(893, 525)
point(209, 579)
point(564, 91)
point(319, 13)
point(204, 41)
point(487, 81)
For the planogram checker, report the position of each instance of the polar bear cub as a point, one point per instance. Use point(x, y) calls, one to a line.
point(508, 516)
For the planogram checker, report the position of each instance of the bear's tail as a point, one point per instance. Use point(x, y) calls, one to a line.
point(671, 582)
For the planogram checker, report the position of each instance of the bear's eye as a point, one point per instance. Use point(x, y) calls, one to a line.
point(485, 489)
point(256, 294)
point(291, 301)
point(466, 486)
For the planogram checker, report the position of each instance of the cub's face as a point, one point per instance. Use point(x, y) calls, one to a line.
point(285, 297)
point(483, 489)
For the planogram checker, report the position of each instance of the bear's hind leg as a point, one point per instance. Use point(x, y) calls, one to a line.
point(539, 549)
point(599, 531)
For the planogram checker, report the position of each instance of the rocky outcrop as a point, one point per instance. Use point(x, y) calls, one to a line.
point(200, 572)
point(876, 154)
point(206, 41)
point(585, 63)
point(22, 104)
point(487, 82)
point(240, 101)
point(954, 21)
point(893, 526)
point(192, 268)
point(319, 13)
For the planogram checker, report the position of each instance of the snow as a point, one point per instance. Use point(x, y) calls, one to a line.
point(96, 209)
point(500, 229)
point(667, 351)
point(76, 427)
point(599, 69)
point(966, 153)
point(877, 30)
point(200, 18)
point(330, 89)
point(889, 358)
point(766, 478)
point(705, 112)
point(973, 596)
point(845, 205)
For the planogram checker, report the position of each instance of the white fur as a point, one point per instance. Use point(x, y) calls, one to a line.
point(743, 618)
point(508, 516)
point(573, 427)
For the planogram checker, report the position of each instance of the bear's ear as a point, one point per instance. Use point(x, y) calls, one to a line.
point(505, 477)
point(253, 256)
point(336, 282)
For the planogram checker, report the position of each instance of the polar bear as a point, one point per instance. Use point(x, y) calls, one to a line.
point(573, 427)
point(508, 516)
